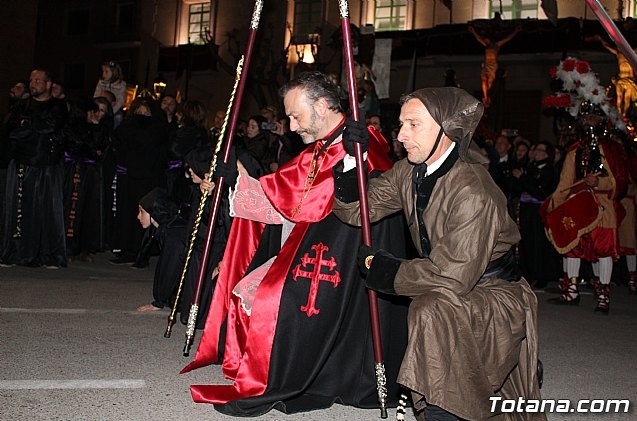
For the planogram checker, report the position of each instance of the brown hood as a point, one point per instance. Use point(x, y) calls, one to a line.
point(458, 113)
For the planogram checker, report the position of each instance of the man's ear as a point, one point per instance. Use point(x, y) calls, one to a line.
point(321, 107)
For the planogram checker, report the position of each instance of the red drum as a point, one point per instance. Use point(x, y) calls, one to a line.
point(566, 223)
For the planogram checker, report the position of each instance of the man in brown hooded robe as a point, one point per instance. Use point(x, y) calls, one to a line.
point(472, 321)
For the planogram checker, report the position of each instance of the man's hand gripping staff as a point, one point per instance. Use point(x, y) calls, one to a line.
point(378, 266)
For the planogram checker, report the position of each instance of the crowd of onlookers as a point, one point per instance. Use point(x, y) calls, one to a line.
point(96, 157)
point(527, 173)
point(76, 170)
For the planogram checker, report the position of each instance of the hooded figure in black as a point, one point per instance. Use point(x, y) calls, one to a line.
point(158, 212)
point(198, 163)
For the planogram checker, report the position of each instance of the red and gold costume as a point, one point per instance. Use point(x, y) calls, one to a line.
point(581, 221)
point(589, 227)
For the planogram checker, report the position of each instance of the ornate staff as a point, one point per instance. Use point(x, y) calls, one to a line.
point(194, 308)
point(614, 32)
point(381, 381)
point(202, 203)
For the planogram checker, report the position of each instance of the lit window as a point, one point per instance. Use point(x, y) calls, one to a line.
point(514, 9)
point(198, 21)
point(390, 15)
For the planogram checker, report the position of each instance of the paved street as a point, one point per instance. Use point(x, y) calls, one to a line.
point(74, 348)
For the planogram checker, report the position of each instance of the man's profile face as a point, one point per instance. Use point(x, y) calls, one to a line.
point(418, 133)
point(303, 117)
point(19, 91)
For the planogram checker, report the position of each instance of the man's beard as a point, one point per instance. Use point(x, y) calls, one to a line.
point(311, 133)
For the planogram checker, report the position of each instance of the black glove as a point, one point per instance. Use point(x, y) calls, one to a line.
point(229, 169)
point(380, 267)
point(355, 132)
point(345, 184)
point(365, 257)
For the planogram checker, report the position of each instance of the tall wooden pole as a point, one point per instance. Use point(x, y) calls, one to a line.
point(364, 208)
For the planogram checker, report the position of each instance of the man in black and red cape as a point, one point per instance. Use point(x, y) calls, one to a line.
point(289, 292)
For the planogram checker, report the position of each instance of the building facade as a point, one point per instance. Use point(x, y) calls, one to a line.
point(193, 46)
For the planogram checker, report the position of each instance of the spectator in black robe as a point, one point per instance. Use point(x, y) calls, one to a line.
point(139, 146)
point(256, 140)
point(191, 134)
point(538, 260)
point(33, 215)
point(85, 142)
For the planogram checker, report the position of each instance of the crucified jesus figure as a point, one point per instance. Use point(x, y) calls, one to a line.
point(490, 64)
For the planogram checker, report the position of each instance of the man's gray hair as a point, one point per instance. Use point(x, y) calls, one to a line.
point(316, 85)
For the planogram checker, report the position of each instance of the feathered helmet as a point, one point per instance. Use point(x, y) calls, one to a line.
point(579, 92)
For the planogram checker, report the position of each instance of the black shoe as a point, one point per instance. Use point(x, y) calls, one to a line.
point(603, 305)
point(122, 260)
point(183, 318)
point(601, 309)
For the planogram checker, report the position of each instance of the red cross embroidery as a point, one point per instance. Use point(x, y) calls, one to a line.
point(315, 275)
